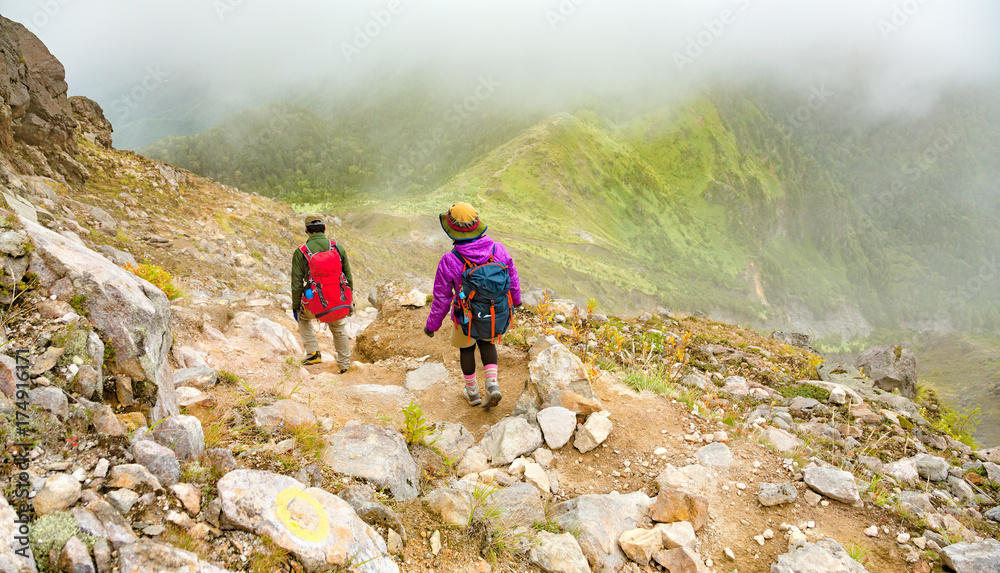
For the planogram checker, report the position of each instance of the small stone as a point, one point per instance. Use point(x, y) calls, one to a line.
point(75, 558)
point(871, 531)
point(59, 492)
point(394, 543)
point(768, 534)
point(122, 500)
point(729, 553)
point(436, 542)
point(903, 538)
point(759, 539)
point(640, 544)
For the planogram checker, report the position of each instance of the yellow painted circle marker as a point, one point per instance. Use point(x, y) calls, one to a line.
point(282, 503)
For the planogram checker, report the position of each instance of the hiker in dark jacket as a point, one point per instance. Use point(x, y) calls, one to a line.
point(318, 243)
point(462, 224)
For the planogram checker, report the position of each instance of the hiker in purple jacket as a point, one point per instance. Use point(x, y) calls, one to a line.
point(462, 224)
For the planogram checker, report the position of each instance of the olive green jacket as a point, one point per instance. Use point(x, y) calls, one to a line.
point(317, 243)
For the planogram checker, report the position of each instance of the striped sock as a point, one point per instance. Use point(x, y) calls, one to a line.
point(491, 374)
point(470, 381)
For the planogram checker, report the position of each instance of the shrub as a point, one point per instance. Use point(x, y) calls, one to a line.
point(156, 275)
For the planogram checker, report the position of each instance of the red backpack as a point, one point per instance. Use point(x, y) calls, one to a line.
point(327, 295)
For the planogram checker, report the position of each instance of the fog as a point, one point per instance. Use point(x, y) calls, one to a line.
point(900, 54)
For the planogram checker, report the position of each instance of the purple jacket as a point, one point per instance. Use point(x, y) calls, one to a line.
point(448, 280)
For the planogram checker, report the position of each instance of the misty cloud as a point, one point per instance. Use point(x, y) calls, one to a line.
point(901, 53)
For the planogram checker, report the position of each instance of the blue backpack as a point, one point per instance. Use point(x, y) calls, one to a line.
point(484, 307)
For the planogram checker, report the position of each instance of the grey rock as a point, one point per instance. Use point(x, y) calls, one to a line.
point(593, 432)
point(75, 557)
point(133, 314)
point(891, 367)
point(200, 377)
point(993, 514)
point(102, 555)
point(919, 502)
point(103, 520)
point(981, 557)
point(183, 435)
point(148, 556)
point(931, 467)
point(11, 562)
point(59, 492)
point(373, 512)
point(509, 439)
point(772, 494)
point(520, 504)
point(782, 440)
point(474, 462)
point(287, 414)
point(159, 460)
point(122, 500)
point(736, 387)
point(376, 455)
point(51, 399)
point(553, 369)
point(832, 483)
point(716, 455)
point(699, 381)
point(557, 425)
point(453, 505)
point(676, 534)
point(452, 439)
point(961, 490)
point(220, 458)
point(992, 472)
point(134, 477)
point(903, 471)
point(824, 556)
point(87, 382)
point(803, 405)
point(426, 376)
point(600, 520)
point(264, 503)
point(558, 554)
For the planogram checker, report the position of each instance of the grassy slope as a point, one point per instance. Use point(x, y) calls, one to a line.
point(666, 207)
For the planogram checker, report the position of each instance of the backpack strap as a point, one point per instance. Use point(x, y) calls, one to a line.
point(306, 252)
point(464, 260)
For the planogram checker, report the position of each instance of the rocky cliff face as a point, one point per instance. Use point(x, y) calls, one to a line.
point(37, 127)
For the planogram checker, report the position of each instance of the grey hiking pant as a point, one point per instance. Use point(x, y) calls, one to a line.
point(340, 340)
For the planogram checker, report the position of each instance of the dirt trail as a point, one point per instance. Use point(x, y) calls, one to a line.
point(625, 462)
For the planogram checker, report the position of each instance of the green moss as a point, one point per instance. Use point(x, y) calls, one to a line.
point(79, 304)
point(52, 531)
point(805, 391)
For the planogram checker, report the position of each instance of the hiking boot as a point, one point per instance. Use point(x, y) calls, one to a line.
point(472, 395)
point(314, 358)
point(493, 395)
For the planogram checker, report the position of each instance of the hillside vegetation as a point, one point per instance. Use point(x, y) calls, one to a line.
point(714, 204)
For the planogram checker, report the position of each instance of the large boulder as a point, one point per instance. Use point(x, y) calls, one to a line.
point(599, 521)
point(982, 557)
point(825, 556)
point(34, 109)
point(376, 455)
point(833, 483)
point(133, 314)
point(319, 528)
point(553, 371)
point(891, 367)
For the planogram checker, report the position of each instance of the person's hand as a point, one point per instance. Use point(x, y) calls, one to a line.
point(295, 315)
point(428, 332)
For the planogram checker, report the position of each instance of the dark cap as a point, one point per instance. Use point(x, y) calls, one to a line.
point(314, 221)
